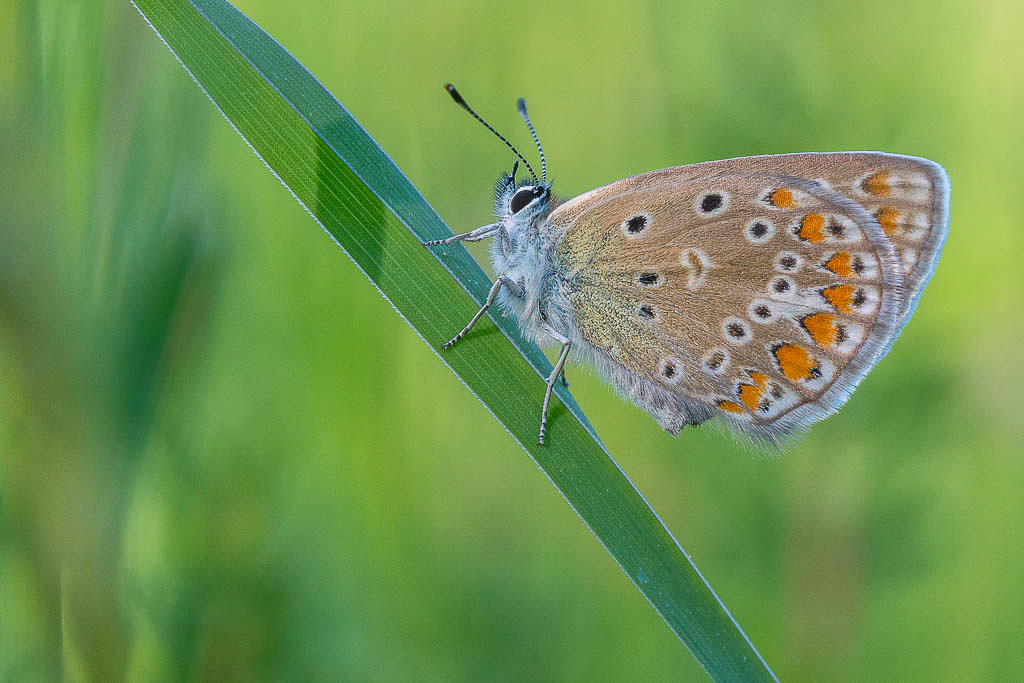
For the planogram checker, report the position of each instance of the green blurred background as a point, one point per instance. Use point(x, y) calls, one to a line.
point(223, 456)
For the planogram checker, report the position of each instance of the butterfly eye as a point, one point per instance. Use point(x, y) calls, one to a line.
point(521, 198)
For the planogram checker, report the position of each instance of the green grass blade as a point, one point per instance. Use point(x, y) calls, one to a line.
point(364, 202)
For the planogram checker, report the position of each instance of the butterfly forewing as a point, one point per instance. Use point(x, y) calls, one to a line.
point(761, 288)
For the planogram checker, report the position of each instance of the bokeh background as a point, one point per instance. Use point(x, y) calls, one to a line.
point(223, 456)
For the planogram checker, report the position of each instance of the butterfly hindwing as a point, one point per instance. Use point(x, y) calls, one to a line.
point(761, 289)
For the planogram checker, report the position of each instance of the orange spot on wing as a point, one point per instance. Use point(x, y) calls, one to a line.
point(840, 264)
point(811, 228)
point(730, 406)
point(840, 297)
point(782, 198)
point(889, 219)
point(796, 363)
point(759, 377)
point(751, 396)
point(877, 184)
point(822, 328)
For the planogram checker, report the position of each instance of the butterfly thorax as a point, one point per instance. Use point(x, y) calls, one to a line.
point(524, 252)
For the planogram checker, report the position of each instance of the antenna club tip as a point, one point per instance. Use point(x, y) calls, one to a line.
point(521, 105)
point(454, 93)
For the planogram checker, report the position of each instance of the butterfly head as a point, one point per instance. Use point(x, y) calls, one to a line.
point(522, 202)
point(517, 205)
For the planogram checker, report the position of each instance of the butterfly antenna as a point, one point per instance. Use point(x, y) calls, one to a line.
point(462, 103)
point(521, 104)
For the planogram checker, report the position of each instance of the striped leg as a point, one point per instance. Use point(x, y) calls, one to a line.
point(491, 296)
point(480, 233)
point(559, 369)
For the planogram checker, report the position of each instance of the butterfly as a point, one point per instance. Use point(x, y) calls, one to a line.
point(759, 290)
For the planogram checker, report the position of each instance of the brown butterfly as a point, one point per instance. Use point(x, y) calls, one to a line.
point(760, 290)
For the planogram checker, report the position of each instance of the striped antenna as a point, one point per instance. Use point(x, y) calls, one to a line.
point(462, 103)
point(540, 150)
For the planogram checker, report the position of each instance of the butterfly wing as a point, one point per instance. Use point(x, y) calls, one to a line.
point(762, 289)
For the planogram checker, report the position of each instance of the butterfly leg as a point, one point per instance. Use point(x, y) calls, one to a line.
point(480, 233)
point(556, 371)
point(506, 242)
point(491, 296)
